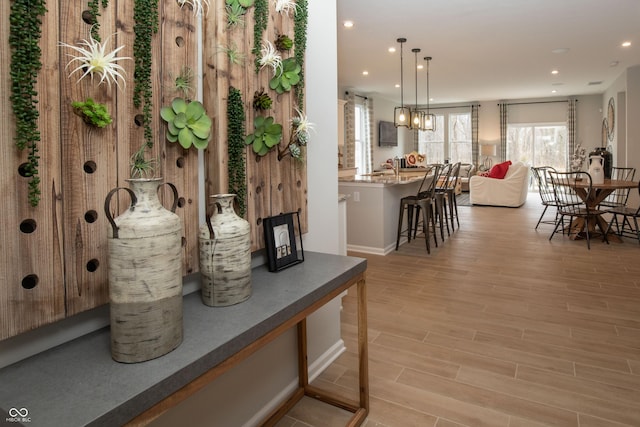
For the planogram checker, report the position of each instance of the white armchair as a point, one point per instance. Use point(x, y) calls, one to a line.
point(510, 191)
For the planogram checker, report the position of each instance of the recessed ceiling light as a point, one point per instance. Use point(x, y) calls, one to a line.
point(554, 72)
point(365, 73)
point(626, 44)
point(348, 24)
point(397, 85)
point(554, 91)
point(392, 49)
point(560, 50)
point(420, 67)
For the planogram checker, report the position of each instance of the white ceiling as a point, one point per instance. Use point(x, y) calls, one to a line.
point(486, 49)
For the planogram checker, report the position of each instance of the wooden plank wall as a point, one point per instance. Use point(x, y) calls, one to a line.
point(54, 256)
point(274, 186)
point(60, 268)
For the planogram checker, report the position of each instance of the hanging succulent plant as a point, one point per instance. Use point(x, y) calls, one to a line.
point(284, 43)
point(261, 100)
point(266, 135)
point(187, 123)
point(300, 135)
point(289, 77)
point(92, 113)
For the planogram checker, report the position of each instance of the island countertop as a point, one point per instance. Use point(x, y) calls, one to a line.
point(382, 179)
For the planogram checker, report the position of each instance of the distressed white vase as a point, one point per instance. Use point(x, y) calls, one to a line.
point(145, 274)
point(596, 169)
point(225, 255)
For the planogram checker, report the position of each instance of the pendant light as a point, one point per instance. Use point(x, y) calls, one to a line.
point(417, 116)
point(401, 114)
point(429, 119)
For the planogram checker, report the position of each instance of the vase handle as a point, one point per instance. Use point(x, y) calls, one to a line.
point(175, 195)
point(107, 202)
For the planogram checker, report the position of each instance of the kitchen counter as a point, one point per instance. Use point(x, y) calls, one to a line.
point(384, 179)
point(373, 208)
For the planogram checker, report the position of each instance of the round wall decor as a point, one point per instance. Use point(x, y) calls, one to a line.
point(611, 118)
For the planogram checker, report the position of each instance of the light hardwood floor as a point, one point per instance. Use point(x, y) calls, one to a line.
point(497, 327)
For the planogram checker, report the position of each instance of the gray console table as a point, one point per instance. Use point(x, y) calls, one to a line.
point(78, 383)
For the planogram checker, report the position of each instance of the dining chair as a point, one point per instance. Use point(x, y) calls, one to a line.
point(423, 201)
point(541, 175)
point(571, 189)
point(627, 214)
point(620, 196)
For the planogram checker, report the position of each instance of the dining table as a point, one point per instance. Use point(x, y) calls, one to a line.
point(592, 199)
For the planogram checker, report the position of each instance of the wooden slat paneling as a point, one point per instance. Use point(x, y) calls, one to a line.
point(273, 186)
point(89, 166)
point(180, 166)
point(31, 293)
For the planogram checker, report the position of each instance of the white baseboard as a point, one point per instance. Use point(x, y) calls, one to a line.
point(315, 369)
point(375, 250)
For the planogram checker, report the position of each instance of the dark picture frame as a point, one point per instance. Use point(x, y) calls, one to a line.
point(280, 241)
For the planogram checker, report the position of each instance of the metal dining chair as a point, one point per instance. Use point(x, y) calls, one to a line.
point(548, 197)
point(618, 199)
point(571, 202)
point(627, 214)
point(423, 201)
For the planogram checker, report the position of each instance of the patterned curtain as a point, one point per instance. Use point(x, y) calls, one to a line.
point(368, 136)
point(474, 133)
point(571, 130)
point(503, 132)
point(350, 132)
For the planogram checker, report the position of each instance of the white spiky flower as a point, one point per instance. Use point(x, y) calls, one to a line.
point(285, 6)
point(196, 5)
point(269, 56)
point(302, 128)
point(93, 59)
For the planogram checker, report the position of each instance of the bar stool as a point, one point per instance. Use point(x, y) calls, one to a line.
point(450, 195)
point(443, 178)
point(422, 201)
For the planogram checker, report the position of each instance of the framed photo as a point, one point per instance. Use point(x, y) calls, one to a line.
point(280, 241)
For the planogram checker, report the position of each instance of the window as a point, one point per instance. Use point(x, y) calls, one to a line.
point(451, 142)
point(538, 144)
point(360, 159)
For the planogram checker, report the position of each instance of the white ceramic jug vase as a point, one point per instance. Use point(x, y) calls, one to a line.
point(596, 169)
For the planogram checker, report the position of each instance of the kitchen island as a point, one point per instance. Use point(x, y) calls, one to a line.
point(373, 204)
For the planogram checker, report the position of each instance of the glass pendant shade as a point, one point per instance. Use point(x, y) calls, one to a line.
point(429, 122)
point(401, 114)
point(417, 119)
point(429, 119)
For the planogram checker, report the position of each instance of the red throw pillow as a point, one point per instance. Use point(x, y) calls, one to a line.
point(500, 170)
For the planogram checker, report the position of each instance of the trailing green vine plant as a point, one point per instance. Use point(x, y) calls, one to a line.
point(300, 42)
point(24, 35)
point(260, 17)
point(93, 6)
point(145, 16)
point(236, 149)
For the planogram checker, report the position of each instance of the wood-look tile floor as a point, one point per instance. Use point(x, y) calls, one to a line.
point(498, 326)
